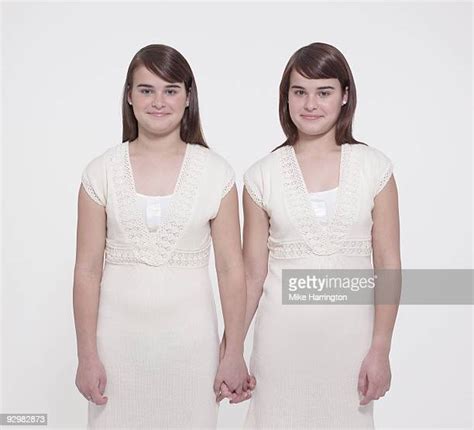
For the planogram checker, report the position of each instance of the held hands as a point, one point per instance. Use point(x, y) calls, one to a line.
point(374, 375)
point(232, 380)
point(91, 380)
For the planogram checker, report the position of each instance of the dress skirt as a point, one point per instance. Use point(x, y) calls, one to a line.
point(157, 338)
point(306, 357)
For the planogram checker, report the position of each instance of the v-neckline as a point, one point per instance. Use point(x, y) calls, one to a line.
point(155, 247)
point(180, 173)
point(330, 219)
point(173, 197)
point(324, 237)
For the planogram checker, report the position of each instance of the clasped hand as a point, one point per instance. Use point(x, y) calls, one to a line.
point(233, 380)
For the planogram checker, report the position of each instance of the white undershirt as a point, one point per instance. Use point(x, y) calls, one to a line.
point(324, 203)
point(154, 209)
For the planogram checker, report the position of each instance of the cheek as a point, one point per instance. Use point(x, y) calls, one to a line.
point(295, 106)
point(178, 103)
point(333, 106)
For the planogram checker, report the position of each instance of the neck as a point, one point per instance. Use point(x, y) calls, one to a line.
point(317, 145)
point(170, 143)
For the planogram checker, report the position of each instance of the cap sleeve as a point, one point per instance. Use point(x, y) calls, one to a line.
point(383, 169)
point(229, 179)
point(253, 183)
point(94, 181)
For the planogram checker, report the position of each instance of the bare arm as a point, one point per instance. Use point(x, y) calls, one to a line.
point(231, 377)
point(256, 226)
point(225, 231)
point(386, 246)
point(375, 374)
point(91, 228)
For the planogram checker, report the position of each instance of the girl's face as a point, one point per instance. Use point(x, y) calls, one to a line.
point(314, 104)
point(158, 105)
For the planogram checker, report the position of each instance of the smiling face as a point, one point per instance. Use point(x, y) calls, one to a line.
point(314, 104)
point(158, 105)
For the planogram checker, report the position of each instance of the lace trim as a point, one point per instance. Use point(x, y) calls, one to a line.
point(255, 197)
point(301, 249)
point(384, 179)
point(198, 258)
point(155, 247)
point(90, 191)
point(322, 238)
point(229, 185)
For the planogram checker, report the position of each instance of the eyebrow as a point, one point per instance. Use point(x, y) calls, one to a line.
point(328, 87)
point(151, 86)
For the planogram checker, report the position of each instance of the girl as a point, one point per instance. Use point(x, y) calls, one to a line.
point(146, 324)
point(321, 200)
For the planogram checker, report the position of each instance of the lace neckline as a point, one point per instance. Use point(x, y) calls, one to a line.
point(322, 237)
point(155, 247)
point(129, 165)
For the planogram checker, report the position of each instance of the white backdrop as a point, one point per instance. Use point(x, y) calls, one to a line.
point(63, 70)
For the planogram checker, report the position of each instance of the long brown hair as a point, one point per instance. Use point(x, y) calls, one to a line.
point(171, 66)
point(319, 61)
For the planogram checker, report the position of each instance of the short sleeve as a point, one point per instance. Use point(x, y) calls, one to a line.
point(383, 169)
point(253, 183)
point(94, 181)
point(229, 179)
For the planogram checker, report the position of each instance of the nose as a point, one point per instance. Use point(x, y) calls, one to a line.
point(158, 100)
point(310, 103)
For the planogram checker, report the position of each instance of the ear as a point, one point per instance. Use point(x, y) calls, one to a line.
point(346, 95)
point(129, 97)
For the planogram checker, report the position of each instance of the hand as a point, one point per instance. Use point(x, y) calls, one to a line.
point(233, 372)
point(374, 375)
point(248, 385)
point(91, 380)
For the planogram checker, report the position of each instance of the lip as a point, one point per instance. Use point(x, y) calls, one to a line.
point(158, 114)
point(312, 117)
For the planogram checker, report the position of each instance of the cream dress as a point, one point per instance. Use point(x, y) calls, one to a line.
point(306, 358)
point(157, 325)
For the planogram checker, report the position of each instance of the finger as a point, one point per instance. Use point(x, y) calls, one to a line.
point(252, 382)
point(97, 398)
point(217, 385)
point(220, 397)
point(238, 389)
point(362, 382)
point(369, 396)
point(102, 384)
point(244, 396)
point(225, 391)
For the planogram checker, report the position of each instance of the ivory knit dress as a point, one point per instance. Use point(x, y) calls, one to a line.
point(157, 325)
point(306, 358)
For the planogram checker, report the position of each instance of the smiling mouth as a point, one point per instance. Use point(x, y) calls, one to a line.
point(311, 116)
point(158, 114)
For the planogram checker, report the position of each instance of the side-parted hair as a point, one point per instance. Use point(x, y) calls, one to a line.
point(319, 61)
point(170, 65)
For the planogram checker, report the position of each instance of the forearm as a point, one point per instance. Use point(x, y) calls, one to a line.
point(85, 303)
point(233, 301)
point(384, 322)
point(387, 299)
point(254, 293)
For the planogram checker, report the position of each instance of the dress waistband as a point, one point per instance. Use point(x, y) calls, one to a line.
point(298, 249)
point(179, 258)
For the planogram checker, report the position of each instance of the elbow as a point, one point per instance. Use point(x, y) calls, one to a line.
point(387, 261)
point(255, 281)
